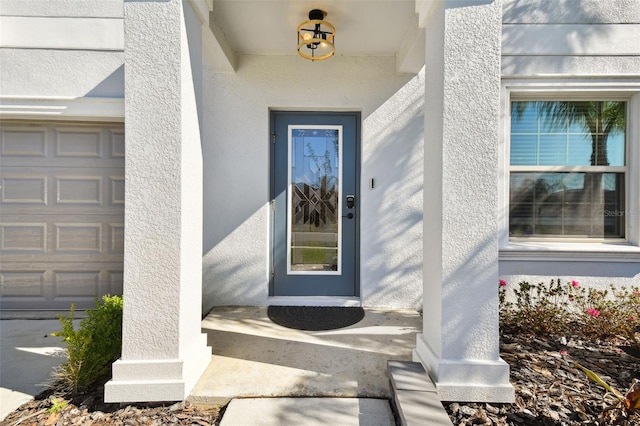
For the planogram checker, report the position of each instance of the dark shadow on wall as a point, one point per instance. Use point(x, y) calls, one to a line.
point(110, 87)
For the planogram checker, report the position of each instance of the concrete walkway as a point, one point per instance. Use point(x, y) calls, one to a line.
point(271, 374)
point(308, 412)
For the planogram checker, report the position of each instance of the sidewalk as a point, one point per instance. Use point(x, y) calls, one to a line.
point(28, 353)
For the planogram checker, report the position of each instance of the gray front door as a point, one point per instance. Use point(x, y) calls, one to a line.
point(314, 193)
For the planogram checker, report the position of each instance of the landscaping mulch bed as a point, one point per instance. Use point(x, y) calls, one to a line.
point(550, 390)
point(90, 409)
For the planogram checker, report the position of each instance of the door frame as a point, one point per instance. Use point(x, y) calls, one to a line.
point(272, 192)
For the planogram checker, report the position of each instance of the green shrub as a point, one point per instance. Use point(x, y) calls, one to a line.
point(93, 347)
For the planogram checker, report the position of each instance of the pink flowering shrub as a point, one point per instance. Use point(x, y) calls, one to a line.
point(558, 308)
point(593, 312)
point(612, 312)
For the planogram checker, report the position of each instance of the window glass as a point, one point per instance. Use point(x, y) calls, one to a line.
point(582, 194)
point(563, 133)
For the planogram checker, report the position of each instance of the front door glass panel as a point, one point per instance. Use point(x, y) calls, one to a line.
point(314, 200)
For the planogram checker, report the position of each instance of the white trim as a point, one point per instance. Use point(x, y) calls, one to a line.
point(569, 169)
point(490, 377)
point(216, 47)
point(289, 196)
point(63, 9)
point(66, 108)
point(202, 9)
point(619, 252)
point(424, 9)
point(585, 88)
point(62, 33)
point(410, 57)
point(314, 301)
point(583, 250)
point(158, 379)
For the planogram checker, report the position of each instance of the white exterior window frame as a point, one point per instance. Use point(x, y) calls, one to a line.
point(570, 249)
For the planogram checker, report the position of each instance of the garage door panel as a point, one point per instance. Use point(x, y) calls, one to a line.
point(78, 143)
point(48, 285)
point(116, 191)
point(74, 283)
point(116, 238)
point(116, 143)
point(61, 214)
point(22, 283)
point(62, 146)
point(59, 191)
point(22, 237)
point(79, 190)
point(21, 142)
point(78, 238)
point(23, 189)
point(62, 237)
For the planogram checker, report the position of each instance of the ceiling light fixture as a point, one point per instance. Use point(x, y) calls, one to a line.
point(316, 37)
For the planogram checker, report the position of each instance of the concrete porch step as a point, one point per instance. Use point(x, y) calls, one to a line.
point(415, 395)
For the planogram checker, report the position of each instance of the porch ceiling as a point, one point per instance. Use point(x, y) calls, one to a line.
point(363, 27)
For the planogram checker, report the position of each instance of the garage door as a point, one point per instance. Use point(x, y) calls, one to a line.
point(62, 217)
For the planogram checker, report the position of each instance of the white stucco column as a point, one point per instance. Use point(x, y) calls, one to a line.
point(163, 352)
point(459, 346)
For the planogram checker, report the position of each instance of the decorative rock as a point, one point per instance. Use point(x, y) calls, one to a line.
point(467, 411)
point(491, 409)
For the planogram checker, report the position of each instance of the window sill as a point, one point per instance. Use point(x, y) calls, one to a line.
point(572, 252)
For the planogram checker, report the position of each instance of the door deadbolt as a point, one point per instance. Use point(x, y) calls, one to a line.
point(351, 201)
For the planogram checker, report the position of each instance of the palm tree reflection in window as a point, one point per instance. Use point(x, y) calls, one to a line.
point(583, 145)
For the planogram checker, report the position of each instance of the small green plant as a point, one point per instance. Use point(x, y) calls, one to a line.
point(57, 405)
point(93, 347)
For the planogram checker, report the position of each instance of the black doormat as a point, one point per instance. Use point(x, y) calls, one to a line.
point(315, 318)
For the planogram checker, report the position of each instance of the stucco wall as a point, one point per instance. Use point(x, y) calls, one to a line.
point(61, 49)
point(234, 117)
point(568, 37)
point(236, 160)
point(590, 43)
